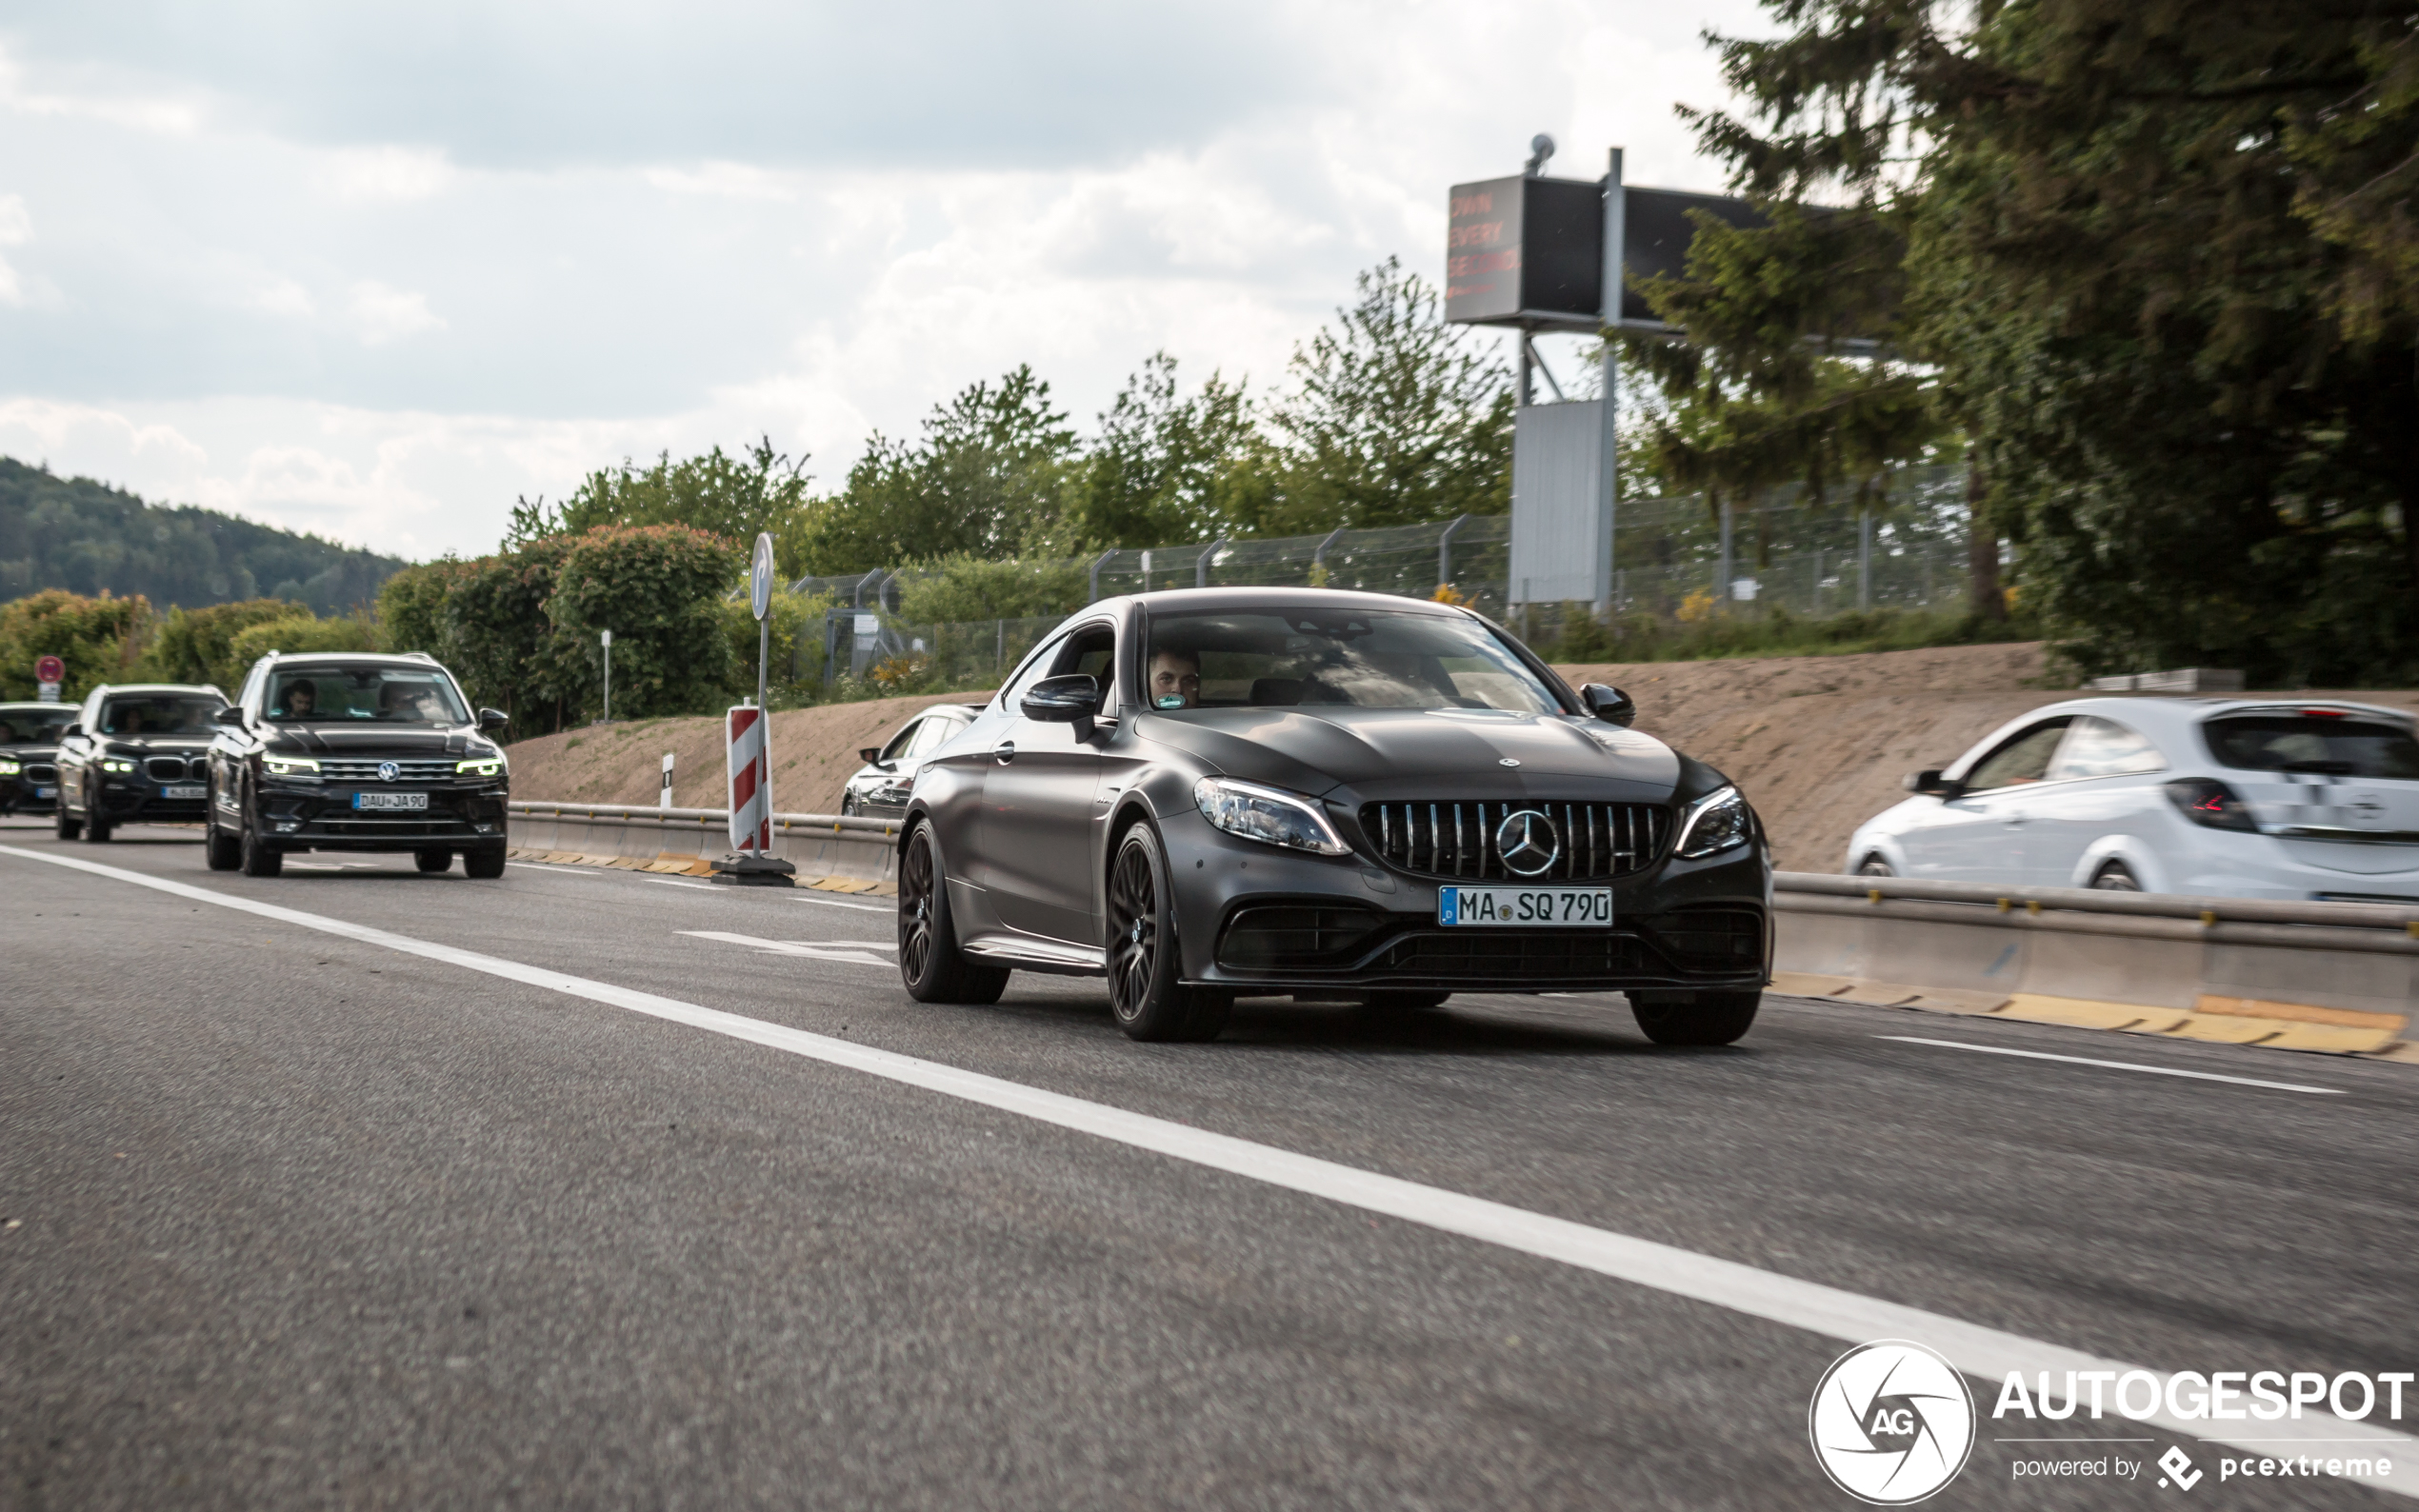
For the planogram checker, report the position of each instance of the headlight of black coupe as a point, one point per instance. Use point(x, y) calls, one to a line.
point(1269, 815)
point(1714, 824)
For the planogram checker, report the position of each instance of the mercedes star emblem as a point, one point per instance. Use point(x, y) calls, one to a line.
point(387, 771)
point(1529, 843)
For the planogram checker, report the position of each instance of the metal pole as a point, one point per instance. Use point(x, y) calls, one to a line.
point(1722, 585)
point(1609, 437)
point(609, 677)
point(1095, 578)
point(1865, 559)
point(764, 654)
point(1318, 558)
point(1201, 563)
point(1445, 551)
point(1524, 360)
point(999, 654)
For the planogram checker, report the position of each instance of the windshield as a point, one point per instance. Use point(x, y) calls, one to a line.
point(2334, 746)
point(1354, 658)
point(390, 695)
point(143, 714)
point(34, 724)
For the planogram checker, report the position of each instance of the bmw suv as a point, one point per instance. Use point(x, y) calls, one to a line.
point(355, 752)
point(134, 755)
point(30, 755)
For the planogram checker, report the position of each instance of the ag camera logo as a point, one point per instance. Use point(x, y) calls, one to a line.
point(1891, 1423)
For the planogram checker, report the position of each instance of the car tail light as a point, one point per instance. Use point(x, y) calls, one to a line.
point(2205, 801)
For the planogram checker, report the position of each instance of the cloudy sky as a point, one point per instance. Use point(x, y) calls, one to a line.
point(373, 271)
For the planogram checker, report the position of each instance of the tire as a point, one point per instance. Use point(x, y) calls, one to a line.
point(2115, 876)
point(486, 866)
point(1715, 1018)
point(1874, 867)
point(1144, 991)
point(1403, 1001)
point(849, 805)
point(433, 860)
point(68, 825)
point(97, 829)
point(223, 852)
point(259, 858)
point(931, 965)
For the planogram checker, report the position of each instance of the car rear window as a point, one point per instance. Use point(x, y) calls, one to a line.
point(2341, 745)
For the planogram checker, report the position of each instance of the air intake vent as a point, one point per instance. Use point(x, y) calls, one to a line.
point(1561, 843)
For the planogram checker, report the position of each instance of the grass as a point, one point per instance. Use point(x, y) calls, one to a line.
point(1580, 638)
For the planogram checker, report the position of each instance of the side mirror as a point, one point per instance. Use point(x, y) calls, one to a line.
point(1930, 783)
point(493, 719)
point(231, 716)
point(869, 754)
point(1610, 705)
point(1072, 699)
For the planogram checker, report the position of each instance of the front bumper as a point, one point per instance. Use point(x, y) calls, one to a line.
point(138, 802)
point(24, 794)
point(1254, 917)
point(466, 817)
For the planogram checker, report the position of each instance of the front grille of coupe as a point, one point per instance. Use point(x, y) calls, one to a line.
point(1598, 841)
point(1543, 955)
point(347, 769)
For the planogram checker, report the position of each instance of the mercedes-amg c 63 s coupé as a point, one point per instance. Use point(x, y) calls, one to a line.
point(1232, 792)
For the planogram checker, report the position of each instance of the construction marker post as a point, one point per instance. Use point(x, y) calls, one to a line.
point(748, 732)
point(664, 795)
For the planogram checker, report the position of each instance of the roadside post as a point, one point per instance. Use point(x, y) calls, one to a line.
point(664, 795)
point(748, 732)
point(48, 672)
point(607, 637)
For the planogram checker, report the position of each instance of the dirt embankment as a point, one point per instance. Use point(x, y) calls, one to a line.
point(1818, 742)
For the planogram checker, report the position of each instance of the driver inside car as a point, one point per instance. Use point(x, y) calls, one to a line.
point(1175, 678)
point(301, 701)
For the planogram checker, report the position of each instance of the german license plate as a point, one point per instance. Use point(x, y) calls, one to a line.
point(46, 793)
point(414, 801)
point(1525, 907)
point(184, 791)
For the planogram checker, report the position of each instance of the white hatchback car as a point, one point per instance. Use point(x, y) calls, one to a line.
point(2228, 796)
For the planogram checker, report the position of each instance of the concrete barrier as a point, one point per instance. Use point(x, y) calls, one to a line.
point(2233, 957)
point(822, 846)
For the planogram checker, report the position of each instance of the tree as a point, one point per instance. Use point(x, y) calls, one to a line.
point(2187, 410)
point(988, 476)
point(195, 646)
point(732, 497)
point(1163, 467)
point(659, 589)
point(1392, 419)
point(100, 640)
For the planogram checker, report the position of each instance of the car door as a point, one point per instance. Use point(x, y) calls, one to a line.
point(1979, 835)
point(1037, 805)
point(2097, 787)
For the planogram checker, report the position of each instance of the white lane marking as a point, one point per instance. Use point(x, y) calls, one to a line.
point(1986, 1354)
point(552, 871)
point(2116, 1066)
point(674, 881)
point(852, 953)
point(835, 903)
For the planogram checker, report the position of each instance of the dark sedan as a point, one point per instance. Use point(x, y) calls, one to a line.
point(30, 755)
point(1232, 792)
point(136, 754)
point(879, 788)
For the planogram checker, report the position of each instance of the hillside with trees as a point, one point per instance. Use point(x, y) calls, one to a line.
point(88, 538)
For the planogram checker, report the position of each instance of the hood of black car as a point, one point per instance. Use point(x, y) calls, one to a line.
point(373, 740)
point(1316, 749)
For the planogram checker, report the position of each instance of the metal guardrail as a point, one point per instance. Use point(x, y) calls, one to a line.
point(698, 818)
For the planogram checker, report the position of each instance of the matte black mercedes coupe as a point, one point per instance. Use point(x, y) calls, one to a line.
point(1267, 792)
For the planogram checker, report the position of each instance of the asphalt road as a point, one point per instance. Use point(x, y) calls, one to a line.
point(291, 1219)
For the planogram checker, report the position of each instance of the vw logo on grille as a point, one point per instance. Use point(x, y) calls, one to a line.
point(387, 772)
point(1529, 843)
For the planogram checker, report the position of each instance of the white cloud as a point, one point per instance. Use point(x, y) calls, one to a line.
point(284, 297)
point(377, 313)
point(386, 173)
point(742, 181)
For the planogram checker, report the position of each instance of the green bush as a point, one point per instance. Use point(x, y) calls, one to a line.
point(301, 632)
point(968, 587)
point(1578, 637)
point(196, 646)
point(659, 588)
point(795, 675)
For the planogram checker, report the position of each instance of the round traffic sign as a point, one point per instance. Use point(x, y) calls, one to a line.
point(49, 669)
point(760, 576)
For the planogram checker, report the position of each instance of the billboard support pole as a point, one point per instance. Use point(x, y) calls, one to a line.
point(1608, 436)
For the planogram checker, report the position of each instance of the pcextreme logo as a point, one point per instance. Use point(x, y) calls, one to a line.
point(1891, 1423)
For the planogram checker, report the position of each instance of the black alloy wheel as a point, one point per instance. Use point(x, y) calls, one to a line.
point(931, 964)
point(434, 859)
point(1144, 991)
point(1713, 1018)
point(259, 858)
point(2115, 877)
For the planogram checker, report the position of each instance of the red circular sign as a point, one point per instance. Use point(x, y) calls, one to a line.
point(49, 669)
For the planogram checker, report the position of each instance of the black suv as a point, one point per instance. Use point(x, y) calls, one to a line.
point(30, 755)
point(134, 755)
point(344, 751)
